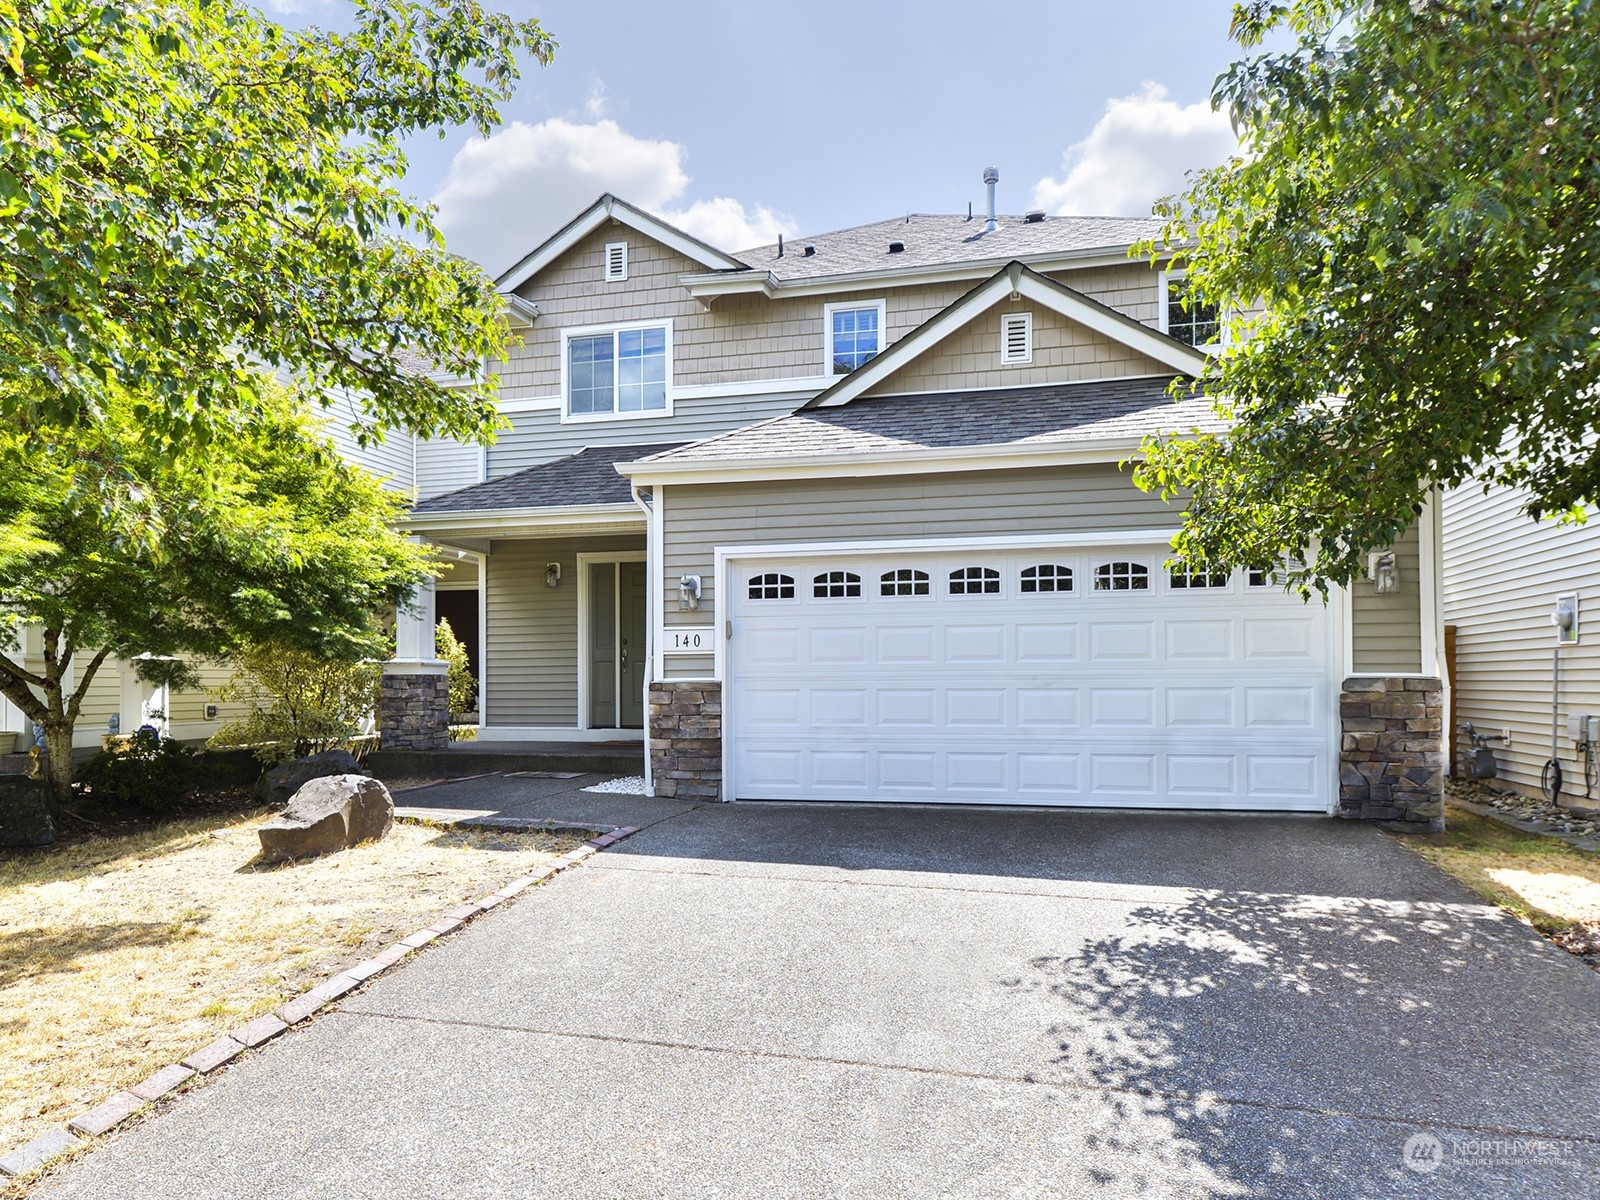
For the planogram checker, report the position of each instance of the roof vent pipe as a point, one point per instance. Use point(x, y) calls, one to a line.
point(991, 176)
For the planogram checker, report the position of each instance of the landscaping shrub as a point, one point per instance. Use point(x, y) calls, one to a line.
point(299, 704)
point(463, 684)
point(147, 771)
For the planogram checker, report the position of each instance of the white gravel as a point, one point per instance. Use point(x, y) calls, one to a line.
point(633, 785)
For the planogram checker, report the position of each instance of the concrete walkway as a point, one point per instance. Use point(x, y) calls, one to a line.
point(747, 1001)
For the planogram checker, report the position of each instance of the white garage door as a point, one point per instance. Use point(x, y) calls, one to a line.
point(1078, 676)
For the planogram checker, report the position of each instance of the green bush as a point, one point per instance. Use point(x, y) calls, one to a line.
point(298, 704)
point(145, 771)
point(463, 684)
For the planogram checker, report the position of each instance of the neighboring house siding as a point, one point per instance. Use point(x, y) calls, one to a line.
point(390, 460)
point(444, 466)
point(1386, 631)
point(1063, 351)
point(1502, 574)
point(530, 631)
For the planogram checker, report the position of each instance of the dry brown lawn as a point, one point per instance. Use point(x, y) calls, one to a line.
point(120, 955)
point(1547, 882)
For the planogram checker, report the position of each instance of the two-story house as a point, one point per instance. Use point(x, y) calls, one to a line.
point(850, 518)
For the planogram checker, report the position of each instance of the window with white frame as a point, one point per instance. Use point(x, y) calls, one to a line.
point(852, 333)
point(1192, 322)
point(836, 585)
point(975, 581)
point(1122, 577)
point(618, 371)
point(616, 261)
point(906, 581)
point(1184, 578)
point(1016, 339)
point(772, 586)
point(1047, 577)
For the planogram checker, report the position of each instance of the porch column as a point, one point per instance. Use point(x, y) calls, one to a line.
point(414, 696)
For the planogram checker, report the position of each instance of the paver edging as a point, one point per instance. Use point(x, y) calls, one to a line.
point(39, 1152)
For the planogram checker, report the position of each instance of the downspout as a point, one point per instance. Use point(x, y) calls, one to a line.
point(651, 600)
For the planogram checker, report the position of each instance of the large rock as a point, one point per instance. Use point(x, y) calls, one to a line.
point(25, 818)
point(328, 814)
point(278, 785)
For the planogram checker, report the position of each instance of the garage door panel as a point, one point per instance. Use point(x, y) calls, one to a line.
point(1165, 697)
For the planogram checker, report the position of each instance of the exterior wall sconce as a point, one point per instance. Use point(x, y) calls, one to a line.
point(1384, 571)
point(689, 592)
point(552, 575)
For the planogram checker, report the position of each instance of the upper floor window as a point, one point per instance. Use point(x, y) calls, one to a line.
point(853, 334)
point(1190, 321)
point(618, 371)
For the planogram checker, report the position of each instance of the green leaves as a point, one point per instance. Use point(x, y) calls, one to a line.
point(1417, 226)
point(184, 186)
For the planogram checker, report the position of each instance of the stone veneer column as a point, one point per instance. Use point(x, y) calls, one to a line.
point(686, 739)
point(414, 706)
point(1391, 763)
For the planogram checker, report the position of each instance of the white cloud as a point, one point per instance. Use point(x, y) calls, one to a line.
point(291, 8)
point(505, 194)
point(1137, 153)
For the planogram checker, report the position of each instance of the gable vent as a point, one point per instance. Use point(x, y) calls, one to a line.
point(1016, 338)
point(616, 261)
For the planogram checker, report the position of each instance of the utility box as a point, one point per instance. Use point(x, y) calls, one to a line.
point(1581, 727)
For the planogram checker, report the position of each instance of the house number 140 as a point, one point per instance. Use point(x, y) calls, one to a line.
point(689, 641)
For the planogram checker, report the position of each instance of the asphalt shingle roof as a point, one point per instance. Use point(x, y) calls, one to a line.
point(588, 477)
point(1065, 412)
point(933, 239)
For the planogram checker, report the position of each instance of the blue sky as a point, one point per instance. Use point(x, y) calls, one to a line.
point(740, 120)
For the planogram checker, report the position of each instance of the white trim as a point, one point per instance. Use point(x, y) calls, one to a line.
point(527, 404)
point(800, 385)
point(656, 552)
point(1009, 283)
point(509, 522)
point(483, 638)
point(1339, 657)
point(906, 462)
point(585, 658)
point(596, 215)
point(617, 251)
point(652, 606)
point(1006, 321)
point(827, 331)
point(710, 286)
point(555, 733)
point(570, 418)
point(1430, 610)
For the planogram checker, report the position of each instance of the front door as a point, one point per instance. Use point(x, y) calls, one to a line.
point(616, 603)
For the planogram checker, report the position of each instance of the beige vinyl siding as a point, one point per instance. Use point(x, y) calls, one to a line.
point(187, 713)
point(1502, 574)
point(1063, 351)
point(444, 466)
point(104, 699)
point(740, 338)
point(700, 518)
point(531, 631)
point(539, 437)
point(1386, 631)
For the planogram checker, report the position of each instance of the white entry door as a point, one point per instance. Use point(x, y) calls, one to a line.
point(1064, 677)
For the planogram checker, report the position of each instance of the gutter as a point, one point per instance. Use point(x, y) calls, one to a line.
point(652, 599)
point(496, 519)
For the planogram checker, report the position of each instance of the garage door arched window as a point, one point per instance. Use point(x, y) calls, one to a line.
point(772, 586)
point(904, 582)
point(1122, 577)
point(1047, 577)
point(975, 581)
point(1183, 578)
point(833, 585)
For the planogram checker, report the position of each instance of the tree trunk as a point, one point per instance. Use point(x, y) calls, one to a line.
point(58, 748)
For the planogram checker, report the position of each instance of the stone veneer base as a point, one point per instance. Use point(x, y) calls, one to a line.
point(1391, 760)
point(414, 710)
point(686, 739)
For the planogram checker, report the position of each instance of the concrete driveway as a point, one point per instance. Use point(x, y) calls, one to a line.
point(748, 1001)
